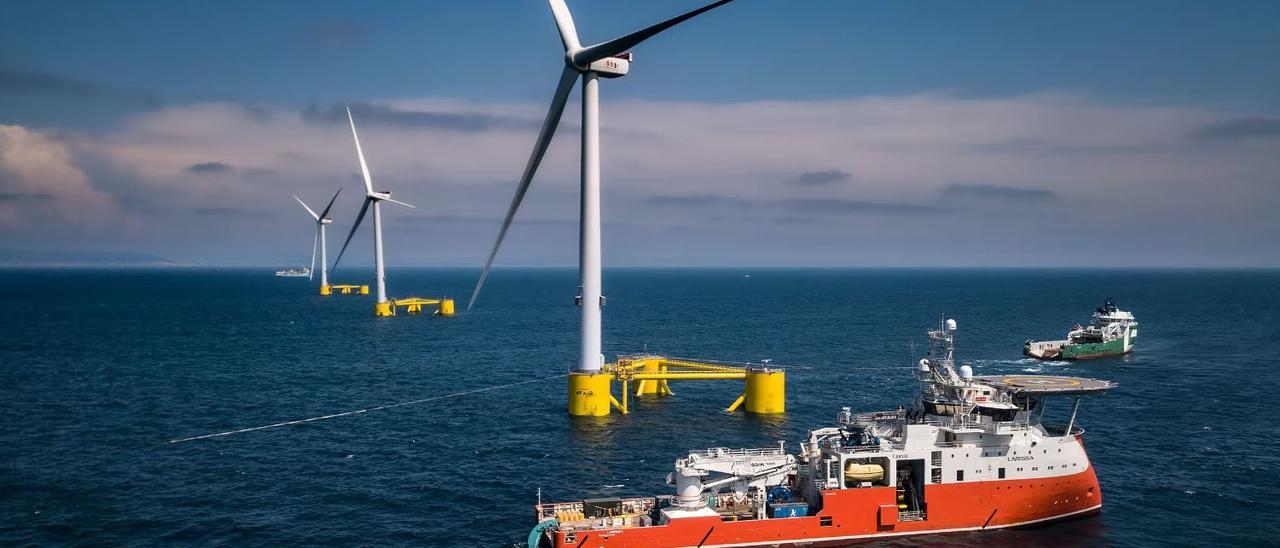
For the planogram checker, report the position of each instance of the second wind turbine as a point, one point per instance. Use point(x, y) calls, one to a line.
point(383, 306)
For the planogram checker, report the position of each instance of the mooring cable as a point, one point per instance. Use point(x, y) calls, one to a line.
point(360, 411)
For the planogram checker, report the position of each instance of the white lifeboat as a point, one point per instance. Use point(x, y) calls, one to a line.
point(854, 471)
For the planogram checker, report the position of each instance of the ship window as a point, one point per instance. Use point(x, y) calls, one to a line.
point(936, 475)
point(824, 521)
point(1002, 473)
point(959, 475)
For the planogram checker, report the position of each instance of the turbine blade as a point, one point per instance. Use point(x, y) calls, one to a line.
point(363, 209)
point(364, 167)
point(315, 242)
point(397, 202)
point(613, 47)
point(304, 205)
point(564, 23)
point(567, 78)
point(325, 213)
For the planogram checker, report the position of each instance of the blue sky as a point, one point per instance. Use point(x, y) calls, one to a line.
point(1024, 111)
point(1220, 54)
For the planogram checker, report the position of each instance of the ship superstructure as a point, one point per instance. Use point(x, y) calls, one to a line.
point(1111, 332)
point(972, 453)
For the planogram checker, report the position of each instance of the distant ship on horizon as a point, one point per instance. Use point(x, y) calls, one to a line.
point(303, 272)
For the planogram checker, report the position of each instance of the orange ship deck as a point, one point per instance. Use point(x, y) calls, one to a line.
point(849, 515)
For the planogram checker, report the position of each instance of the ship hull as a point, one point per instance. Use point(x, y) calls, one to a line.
point(1074, 351)
point(1090, 351)
point(854, 515)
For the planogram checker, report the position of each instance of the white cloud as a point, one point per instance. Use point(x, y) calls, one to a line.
point(38, 178)
point(1130, 167)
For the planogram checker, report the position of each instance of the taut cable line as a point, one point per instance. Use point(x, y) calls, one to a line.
point(361, 411)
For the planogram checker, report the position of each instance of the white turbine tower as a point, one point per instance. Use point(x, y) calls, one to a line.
point(608, 59)
point(321, 220)
point(382, 308)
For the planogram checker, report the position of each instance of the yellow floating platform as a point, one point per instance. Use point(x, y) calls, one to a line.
point(344, 289)
point(764, 390)
point(413, 305)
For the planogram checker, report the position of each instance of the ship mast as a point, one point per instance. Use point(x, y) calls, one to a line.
point(939, 366)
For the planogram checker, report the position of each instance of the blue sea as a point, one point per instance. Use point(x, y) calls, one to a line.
point(100, 368)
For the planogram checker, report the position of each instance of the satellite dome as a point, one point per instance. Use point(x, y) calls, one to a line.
point(966, 372)
point(951, 325)
point(924, 366)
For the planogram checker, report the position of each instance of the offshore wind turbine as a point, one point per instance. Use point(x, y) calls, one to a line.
point(609, 59)
point(374, 198)
point(322, 219)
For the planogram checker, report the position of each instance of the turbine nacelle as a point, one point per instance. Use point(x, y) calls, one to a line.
point(611, 67)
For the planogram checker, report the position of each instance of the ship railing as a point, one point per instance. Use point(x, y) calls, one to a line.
point(1060, 429)
point(958, 444)
point(910, 515)
point(551, 509)
point(990, 427)
point(891, 446)
point(874, 417)
point(1007, 426)
point(744, 452)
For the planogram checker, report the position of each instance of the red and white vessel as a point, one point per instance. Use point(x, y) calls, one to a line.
point(972, 454)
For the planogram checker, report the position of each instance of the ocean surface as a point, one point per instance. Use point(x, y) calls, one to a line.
point(100, 368)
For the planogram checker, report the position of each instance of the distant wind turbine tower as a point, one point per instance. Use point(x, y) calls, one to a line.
point(608, 59)
point(321, 220)
point(382, 307)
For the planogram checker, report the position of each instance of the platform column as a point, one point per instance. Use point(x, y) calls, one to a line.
point(589, 394)
point(651, 387)
point(765, 392)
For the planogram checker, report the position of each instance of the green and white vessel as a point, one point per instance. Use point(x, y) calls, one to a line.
point(1111, 333)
